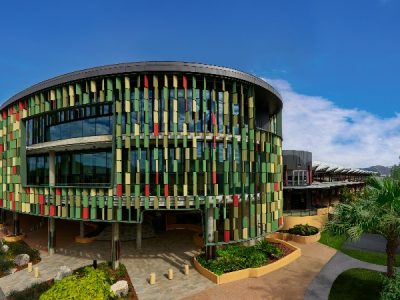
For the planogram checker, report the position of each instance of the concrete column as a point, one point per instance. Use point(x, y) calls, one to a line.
point(210, 225)
point(139, 236)
point(115, 245)
point(210, 250)
point(81, 229)
point(51, 236)
point(52, 168)
point(16, 228)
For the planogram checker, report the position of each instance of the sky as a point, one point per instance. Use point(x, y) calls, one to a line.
point(334, 62)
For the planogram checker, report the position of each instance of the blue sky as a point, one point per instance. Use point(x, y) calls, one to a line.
point(346, 52)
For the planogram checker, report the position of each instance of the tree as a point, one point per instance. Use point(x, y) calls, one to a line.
point(395, 172)
point(377, 210)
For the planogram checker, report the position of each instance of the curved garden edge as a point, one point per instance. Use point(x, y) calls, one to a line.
point(14, 238)
point(251, 272)
point(285, 236)
point(85, 240)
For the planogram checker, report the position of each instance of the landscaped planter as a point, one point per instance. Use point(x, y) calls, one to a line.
point(14, 238)
point(297, 238)
point(85, 240)
point(251, 272)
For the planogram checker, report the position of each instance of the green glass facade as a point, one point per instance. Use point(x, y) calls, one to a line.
point(119, 142)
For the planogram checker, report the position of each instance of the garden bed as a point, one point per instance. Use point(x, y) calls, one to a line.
point(84, 283)
point(285, 254)
point(14, 238)
point(297, 238)
point(301, 233)
point(16, 248)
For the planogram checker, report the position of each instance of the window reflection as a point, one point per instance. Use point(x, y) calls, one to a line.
point(37, 170)
point(77, 122)
point(83, 168)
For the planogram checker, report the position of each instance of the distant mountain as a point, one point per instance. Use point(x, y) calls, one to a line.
point(380, 169)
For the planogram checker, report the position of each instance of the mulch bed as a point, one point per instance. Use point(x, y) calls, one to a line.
point(19, 268)
point(286, 250)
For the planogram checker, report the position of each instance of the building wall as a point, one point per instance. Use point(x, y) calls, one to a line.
point(173, 141)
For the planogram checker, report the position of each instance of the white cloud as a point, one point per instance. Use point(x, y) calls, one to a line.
point(349, 137)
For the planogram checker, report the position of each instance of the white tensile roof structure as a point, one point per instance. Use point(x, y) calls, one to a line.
point(323, 167)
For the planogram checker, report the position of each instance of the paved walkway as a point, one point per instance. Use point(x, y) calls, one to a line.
point(321, 285)
point(288, 283)
point(48, 268)
point(169, 250)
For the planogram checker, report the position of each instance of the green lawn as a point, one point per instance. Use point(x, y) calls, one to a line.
point(334, 241)
point(357, 284)
point(337, 241)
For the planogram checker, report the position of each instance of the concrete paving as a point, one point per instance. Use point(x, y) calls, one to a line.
point(321, 285)
point(288, 283)
point(369, 242)
point(170, 250)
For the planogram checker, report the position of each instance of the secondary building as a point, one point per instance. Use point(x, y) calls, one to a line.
point(113, 143)
point(312, 188)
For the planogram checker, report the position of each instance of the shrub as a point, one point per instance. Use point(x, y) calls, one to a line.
point(391, 288)
point(5, 264)
point(304, 230)
point(237, 257)
point(269, 249)
point(94, 285)
point(31, 293)
point(20, 247)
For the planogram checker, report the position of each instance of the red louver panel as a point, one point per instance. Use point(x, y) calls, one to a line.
point(52, 210)
point(155, 128)
point(41, 199)
point(119, 190)
point(166, 194)
point(85, 213)
point(184, 83)
point(235, 200)
point(227, 235)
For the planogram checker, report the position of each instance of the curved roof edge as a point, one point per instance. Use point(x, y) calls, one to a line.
point(150, 66)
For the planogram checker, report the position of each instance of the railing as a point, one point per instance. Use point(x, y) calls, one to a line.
point(300, 212)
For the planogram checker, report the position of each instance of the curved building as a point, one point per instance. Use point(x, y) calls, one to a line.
point(113, 142)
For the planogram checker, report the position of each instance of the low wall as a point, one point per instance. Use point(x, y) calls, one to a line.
point(285, 236)
point(14, 238)
point(317, 220)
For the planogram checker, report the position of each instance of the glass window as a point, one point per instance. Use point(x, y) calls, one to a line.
point(103, 125)
point(37, 170)
point(83, 168)
point(181, 109)
point(76, 122)
point(89, 127)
